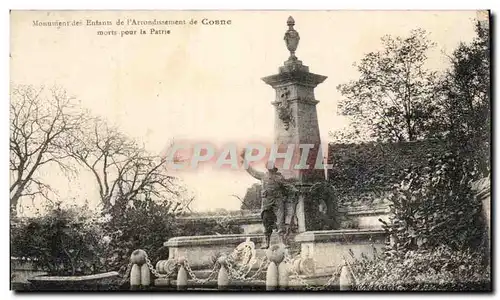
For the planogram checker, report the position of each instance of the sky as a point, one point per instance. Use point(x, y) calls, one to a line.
point(202, 82)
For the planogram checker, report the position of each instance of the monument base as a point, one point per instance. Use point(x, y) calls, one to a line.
point(326, 248)
point(329, 249)
point(199, 251)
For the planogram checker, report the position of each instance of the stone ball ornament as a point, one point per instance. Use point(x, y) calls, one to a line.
point(181, 260)
point(138, 257)
point(222, 260)
point(276, 253)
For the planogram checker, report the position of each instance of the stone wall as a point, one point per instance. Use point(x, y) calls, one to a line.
point(355, 217)
point(23, 269)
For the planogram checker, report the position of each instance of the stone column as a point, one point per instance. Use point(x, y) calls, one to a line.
point(296, 120)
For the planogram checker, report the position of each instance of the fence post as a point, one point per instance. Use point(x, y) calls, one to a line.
point(135, 277)
point(181, 275)
point(283, 273)
point(223, 276)
point(271, 276)
point(275, 254)
point(346, 280)
point(138, 261)
point(145, 276)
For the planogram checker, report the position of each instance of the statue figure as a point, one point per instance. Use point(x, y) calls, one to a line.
point(275, 192)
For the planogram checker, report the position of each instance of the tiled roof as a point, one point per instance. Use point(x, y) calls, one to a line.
point(372, 165)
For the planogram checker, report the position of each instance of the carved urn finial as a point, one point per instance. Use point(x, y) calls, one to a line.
point(291, 38)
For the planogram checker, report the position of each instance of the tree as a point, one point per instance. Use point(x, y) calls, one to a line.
point(136, 191)
point(465, 88)
point(394, 95)
point(65, 241)
point(146, 225)
point(252, 199)
point(38, 126)
point(435, 205)
point(123, 170)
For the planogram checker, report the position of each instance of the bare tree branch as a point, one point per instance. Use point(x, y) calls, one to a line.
point(123, 170)
point(38, 125)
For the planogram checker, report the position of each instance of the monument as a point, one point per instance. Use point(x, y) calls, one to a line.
point(296, 123)
point(317, 251)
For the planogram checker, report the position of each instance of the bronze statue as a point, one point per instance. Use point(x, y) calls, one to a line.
point(275, 190)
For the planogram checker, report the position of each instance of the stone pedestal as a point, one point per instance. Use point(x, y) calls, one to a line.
point(296, 120)
point(296, 124)
point(329, 248)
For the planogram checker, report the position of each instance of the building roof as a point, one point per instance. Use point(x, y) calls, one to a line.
point(376, 166)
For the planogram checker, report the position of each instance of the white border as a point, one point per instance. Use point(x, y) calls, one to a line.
point(205, 5)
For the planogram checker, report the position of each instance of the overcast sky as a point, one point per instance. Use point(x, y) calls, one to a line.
point(203, 82)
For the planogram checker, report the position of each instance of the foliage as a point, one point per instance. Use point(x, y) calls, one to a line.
point(207, 226)
point(362, 174)
point(465, 88)
point(139, 198)
point(252, 199)
point(38, 125)
point(144, 224)
point(440, 268)
point(435, 205)
point(76, 241)
point(397, 99)
point(66, 241)
point(394, 96)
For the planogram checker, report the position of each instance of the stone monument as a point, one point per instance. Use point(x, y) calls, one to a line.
point(296, 123)
point(320, 251)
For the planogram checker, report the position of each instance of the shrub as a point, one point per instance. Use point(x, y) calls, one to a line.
point(441, 268)
point(434, 223)
point(215, 225)
point(252, 199)
point(435, 205)
point(144, 224)
point(65, 241)
point(76, 241)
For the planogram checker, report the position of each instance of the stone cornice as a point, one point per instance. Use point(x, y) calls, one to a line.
point(324, 236)
point(200, 240)
point(340, 235)
point(255, 218)
point(296, 76)
point(308, 101)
